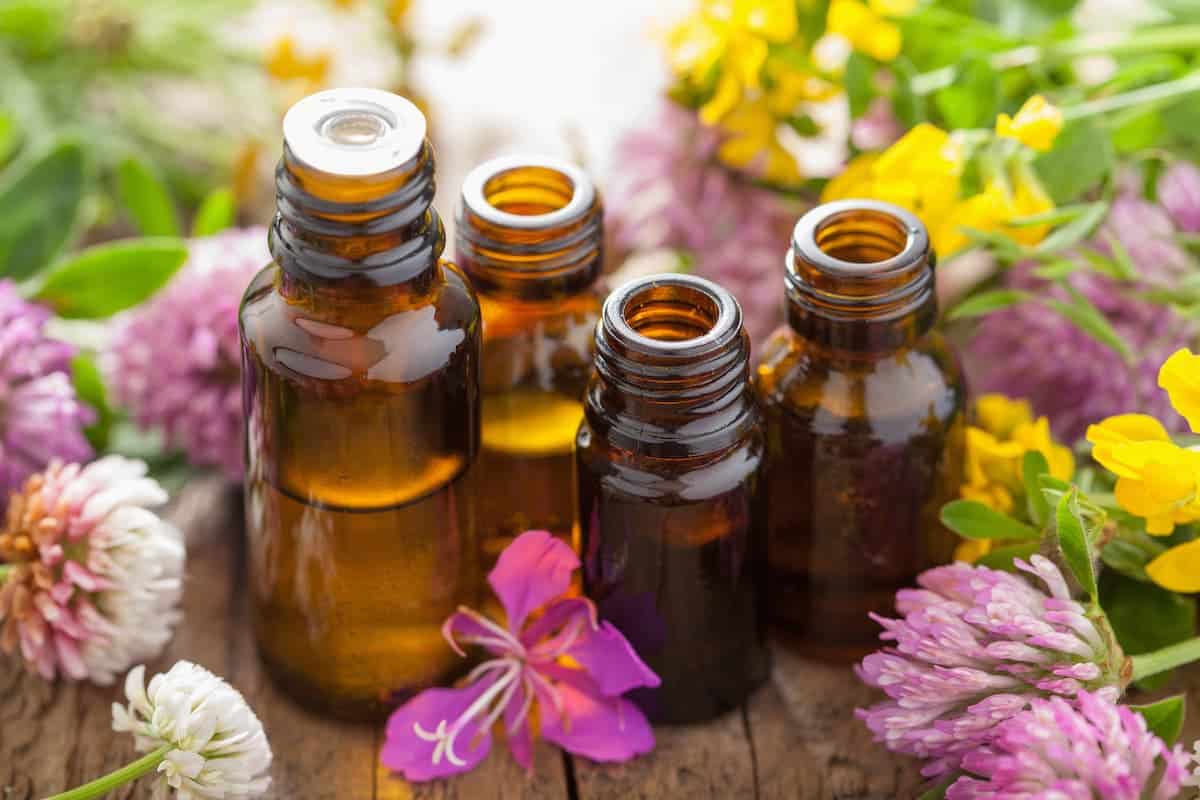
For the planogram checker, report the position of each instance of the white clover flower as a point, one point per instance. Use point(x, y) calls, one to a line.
point(212, 744)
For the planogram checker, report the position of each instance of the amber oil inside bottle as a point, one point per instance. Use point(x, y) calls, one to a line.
point(529, 235)
point(864, 404)
point(670, 459)
point(360, 369)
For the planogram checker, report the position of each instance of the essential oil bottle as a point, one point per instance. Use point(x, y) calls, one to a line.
point(529, 236)
point(670, 462)
point(361, 373)
point(864, 404)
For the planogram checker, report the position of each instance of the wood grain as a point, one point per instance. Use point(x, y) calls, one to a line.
point(795, 739)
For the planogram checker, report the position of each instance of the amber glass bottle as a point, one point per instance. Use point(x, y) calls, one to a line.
point(529, 236)
point(670, 459)
point(361, 360)
point(864, 404)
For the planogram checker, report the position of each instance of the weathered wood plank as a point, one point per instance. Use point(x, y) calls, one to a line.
point(713, 760)
point(498, 778)
point(808, 744)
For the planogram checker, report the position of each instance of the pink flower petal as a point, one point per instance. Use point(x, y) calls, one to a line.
point(467, 626)
point(599, 728)
point(430, 736)
point(611, 661)
point(517, 729)
point(533, 570)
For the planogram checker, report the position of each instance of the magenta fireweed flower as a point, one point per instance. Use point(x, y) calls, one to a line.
point(973, 646)
point(1179, 193)
point(41, 417)
point(1032, 351)
point(562, 667)
point(175, 362)
point(669, 191)
point(1090, 750)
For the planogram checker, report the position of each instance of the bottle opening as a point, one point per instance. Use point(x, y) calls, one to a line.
point(354, 132)
point(354, 127)
point(864, 236)
point(669, 312)
point(529, 191)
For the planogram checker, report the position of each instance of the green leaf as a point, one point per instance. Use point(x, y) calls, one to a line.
point(107, 278)
point(1082, 157)
point(1126, 558)
point(971, 102)
point(39, 203)
point(1057, 216)
point(1125, 268)
point(1073, 540)
point(1165, 718)
point(1138, 131)
point(1074, 231)
point(146, 198)
point(973, 520)
point(1057, 270)
point(938, 790)
point(1089, 320)
point(216, 213)
point(89, 385)
point(978, 305)
point(1002, 557)
point(1033, 466)
point(1145, 617)
point(858, 83)
point(908, 106)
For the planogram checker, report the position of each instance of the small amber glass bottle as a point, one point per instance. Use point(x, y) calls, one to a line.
point(864, 404)
point(529, 236)
point(670, 459)
point(360, 370)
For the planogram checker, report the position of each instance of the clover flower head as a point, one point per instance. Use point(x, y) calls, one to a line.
point(215, 745)
point(1091, 748)
point(95, 576)
point(972, 647)
point(561, 667)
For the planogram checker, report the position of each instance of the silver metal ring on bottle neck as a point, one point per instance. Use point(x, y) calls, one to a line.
point(354, 132)
point(475, 191)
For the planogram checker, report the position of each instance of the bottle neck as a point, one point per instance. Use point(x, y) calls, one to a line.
point(860, 279)
point(352, 234)
point(529, 230)
point(672, 368)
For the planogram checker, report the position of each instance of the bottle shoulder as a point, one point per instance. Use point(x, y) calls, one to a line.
point(793, 375)
point(380, 333)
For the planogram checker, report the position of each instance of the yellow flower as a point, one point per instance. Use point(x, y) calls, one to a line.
point(285, 63)
point(1180, 377)
point(731, 36)
point(1178, 569)
point(894, 8)
point(1036, 125)
point(996, 449)
point(1156, 478)
point(971, 550)
point(864, 28)
point(751, 144)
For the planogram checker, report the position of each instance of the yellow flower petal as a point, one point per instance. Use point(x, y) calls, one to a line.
point(285, 63)
point(894, 8)
point(724, 100)
point(881, 40)
point(774, 19)
point(998, 414)
point(1119, 430)
point(971, 550)
point(1178, 569)
point(1036, 125)
point(854, 181)
point(1180, 377)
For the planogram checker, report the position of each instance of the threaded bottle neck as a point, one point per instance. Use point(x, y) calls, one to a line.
point(672, 366)
point(860, 277)
point(529, 228)
point(355, 191)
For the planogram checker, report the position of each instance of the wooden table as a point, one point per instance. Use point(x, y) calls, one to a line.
point(796, 738)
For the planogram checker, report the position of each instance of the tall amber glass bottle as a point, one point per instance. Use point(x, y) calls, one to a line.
point(670, 459)
point(529, 236)
point(864, 403)
point(360, 369)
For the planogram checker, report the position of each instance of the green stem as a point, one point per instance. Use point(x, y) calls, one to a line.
point(5, 571)
point(127, 773)
point(1173, 37)
point(1168, 658)
point(1157, 93)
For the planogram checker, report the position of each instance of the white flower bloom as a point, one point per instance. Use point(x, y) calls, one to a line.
point(98, 576)
point(218, 747)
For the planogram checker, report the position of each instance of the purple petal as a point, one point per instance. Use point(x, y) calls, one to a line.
point(612, 661)
point(430, 736)
point(532, 571)
point(517, 729)
point(467, 626)
point(599, 728)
